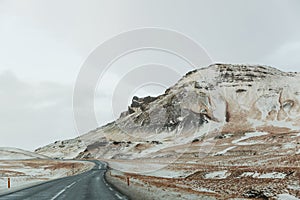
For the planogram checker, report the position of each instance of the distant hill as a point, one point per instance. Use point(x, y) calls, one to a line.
point(9, 153)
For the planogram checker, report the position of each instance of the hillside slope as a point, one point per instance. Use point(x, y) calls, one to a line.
point(211, 102)
point(221, 132)
point(9, 153)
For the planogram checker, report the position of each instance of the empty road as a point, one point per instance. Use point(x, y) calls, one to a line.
point(89, 185)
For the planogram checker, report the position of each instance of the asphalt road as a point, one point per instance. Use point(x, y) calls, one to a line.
point(89, 185)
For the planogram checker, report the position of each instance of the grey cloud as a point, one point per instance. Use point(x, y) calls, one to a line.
point(33, 114)
point(37, 45)
point(288, 51)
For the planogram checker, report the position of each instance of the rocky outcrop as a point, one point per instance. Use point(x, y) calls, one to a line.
point(233, 95)
point(221, 98)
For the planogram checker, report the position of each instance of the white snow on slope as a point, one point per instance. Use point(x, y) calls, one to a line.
point(247, 136)
point(297, 135)
point(217, 175)
point(203, 190)
point(289, 145)
point(68, 149)
point(224, 151)
point(274, 175)
point(8, 153)
point(286, 197)
point(168, 173)
point(294, 187)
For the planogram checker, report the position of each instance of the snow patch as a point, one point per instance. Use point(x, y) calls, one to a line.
point(224, 151)
point(294, 187)
point(288, 146)
point(203, 190)
point(168, 173)
point(297, 135)
point(247, 136)
point(274, 175)
point(217, 175)
point(286, 197)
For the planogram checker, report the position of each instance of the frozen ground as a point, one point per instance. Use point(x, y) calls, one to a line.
point(286, 197)
point(247, 136)
point(25, 173)
point(230, 180)
point(8, 153)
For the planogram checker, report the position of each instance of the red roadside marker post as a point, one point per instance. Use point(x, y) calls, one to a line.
point(8, 183)
point(128, 182)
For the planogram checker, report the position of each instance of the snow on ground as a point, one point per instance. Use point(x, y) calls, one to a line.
point(168, 173)
point(9, 153)
point(224, 151)
point(153, 149)
point(276, 175)
point(203, 190)
point(294, 187)
point(273, 175)
point(298, 135)
point(217, 175)
point(63, 149)
point(136, 167)
point(286, 124)
point(25, 173)
point(289, 145)
point(139, 189)
point(247, 136)
point(286, 197)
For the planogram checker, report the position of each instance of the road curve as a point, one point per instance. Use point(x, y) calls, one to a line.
point(90, 185)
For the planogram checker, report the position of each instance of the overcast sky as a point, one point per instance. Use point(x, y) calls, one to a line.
point(43, 44)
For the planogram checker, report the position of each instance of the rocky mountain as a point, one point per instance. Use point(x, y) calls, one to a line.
point(206, 103)
point(224, 131)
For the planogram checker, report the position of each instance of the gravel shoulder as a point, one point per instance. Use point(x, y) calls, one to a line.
point(139, 189)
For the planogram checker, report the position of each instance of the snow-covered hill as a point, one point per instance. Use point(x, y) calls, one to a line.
point(9, 153)
point(223, 131)
point(217, 100)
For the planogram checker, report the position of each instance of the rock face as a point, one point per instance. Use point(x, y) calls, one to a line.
point(233, 95)
point(207, 102)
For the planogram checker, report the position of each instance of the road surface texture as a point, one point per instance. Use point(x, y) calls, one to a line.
point(89, 185)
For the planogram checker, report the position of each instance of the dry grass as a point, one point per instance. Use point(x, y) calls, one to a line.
point(232, 186)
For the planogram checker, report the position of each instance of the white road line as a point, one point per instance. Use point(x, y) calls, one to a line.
point(62, 191)
point(110, 188)
point(71, 184)
point(119, 196)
